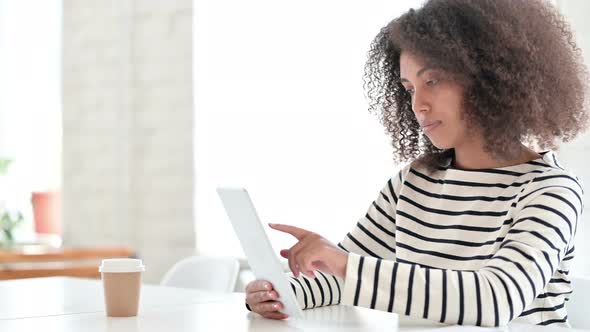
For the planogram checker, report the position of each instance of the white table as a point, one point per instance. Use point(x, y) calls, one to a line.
point(56, 296)
point(70, 304)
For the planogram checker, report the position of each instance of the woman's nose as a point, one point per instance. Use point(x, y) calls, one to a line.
point(420, 103)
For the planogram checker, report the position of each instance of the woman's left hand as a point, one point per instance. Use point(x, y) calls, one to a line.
point(312, 252)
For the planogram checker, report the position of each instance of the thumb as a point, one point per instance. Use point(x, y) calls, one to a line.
point(285, 253)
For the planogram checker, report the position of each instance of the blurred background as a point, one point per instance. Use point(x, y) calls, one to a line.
point(118, 118)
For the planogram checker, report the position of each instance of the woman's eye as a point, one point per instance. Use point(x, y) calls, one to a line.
point(410, 91)
point(432, 82)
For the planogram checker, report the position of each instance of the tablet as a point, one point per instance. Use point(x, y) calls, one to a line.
point(261, 257)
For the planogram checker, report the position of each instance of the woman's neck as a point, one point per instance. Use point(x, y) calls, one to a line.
point(474, 157)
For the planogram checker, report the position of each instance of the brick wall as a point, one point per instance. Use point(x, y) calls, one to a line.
point(127, 127)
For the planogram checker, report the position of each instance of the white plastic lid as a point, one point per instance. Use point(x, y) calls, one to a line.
point(121, 265)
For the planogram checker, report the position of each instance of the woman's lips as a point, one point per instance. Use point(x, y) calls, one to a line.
point(428, 128)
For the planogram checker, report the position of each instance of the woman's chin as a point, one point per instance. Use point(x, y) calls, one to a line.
point(441, 144)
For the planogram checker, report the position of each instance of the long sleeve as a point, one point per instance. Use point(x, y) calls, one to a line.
point(373, 235)
point(539, 239)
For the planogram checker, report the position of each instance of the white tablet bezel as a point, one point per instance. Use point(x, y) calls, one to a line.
point(257, 247)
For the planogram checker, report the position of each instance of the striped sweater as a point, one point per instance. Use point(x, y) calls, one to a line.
point(473, 247)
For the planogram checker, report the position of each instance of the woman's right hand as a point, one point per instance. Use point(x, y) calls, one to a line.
point(261, 297)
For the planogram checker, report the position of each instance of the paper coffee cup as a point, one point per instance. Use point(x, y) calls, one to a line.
point(121, 279)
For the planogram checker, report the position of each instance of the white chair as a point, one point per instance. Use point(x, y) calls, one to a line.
point(577, 307)
point(200, 272)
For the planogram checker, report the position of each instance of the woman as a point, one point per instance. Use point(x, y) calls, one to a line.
point(477, 228)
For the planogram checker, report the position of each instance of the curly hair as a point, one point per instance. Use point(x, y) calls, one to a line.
point(522, 74)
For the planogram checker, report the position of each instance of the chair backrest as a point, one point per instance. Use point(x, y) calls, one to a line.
point(578, 304)
point(207, 273)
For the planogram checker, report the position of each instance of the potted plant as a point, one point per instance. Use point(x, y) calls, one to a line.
point(8, 222)
point(9, 219)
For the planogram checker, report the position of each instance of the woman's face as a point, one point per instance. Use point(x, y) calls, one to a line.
point(436, 102)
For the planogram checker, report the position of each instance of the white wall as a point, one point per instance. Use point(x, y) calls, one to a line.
point(575, 155)
point(280, 109)
point(128, 118)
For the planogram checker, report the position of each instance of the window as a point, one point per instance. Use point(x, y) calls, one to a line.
point(30, 102)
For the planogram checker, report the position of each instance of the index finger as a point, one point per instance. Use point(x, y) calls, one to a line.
point(297, 232)
point(258, 285)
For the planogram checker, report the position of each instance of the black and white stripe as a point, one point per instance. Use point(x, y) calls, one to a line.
point(473, 247)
